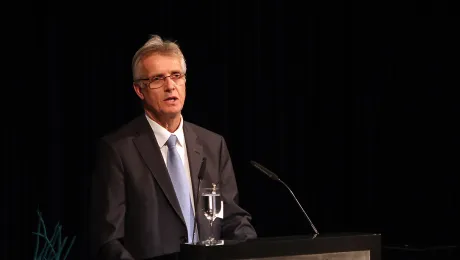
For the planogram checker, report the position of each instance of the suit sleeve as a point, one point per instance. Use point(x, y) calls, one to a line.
point(108, 206)
point(236, 223)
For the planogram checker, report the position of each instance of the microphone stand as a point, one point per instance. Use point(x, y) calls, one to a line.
point(273, 176)
point(197, 196)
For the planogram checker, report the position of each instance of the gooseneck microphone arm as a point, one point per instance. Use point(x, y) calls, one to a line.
point(311, 223)
point(273, 176)
point(197, 197)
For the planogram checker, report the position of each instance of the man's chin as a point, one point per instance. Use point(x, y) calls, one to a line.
point(172, 114)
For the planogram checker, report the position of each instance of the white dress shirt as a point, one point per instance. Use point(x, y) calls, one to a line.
point(162, 135)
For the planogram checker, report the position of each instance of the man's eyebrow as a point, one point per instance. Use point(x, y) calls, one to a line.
point(161, 74)
point(156, 75)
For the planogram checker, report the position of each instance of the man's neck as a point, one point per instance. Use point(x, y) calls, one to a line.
point(169, 123)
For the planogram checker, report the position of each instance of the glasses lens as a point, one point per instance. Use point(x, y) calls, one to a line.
point(158, 81)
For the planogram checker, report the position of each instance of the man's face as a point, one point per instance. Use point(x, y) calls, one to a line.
point(167, 99)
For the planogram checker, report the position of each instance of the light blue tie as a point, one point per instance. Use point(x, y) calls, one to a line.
point(180, 183)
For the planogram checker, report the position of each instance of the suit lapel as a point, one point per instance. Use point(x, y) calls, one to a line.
point(194, 153)
point(148, 148)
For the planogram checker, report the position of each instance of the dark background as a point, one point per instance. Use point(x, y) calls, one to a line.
point(355, 106)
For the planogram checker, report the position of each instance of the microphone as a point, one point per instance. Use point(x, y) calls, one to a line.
point(273, 176)
point(197, 197)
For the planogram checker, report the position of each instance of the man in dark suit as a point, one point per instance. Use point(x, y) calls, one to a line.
point(139, 211)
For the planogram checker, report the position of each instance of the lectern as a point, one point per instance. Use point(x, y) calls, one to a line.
point(345, 246)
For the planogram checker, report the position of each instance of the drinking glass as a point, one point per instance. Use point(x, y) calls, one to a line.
point(212, 207)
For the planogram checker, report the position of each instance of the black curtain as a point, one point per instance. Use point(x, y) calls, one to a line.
point(357, 114)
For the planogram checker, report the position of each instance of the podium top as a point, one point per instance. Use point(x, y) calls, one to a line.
point(286, 246)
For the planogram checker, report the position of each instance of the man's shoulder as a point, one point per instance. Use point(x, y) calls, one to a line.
point(202, 132)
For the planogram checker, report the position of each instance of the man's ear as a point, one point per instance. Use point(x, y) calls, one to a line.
point(138, 91)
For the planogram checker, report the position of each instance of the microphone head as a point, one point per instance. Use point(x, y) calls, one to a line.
point(266, 171)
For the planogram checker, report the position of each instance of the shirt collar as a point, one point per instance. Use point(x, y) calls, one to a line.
point(162, 135)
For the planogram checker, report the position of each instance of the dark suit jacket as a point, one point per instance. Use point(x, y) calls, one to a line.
point(135, 213)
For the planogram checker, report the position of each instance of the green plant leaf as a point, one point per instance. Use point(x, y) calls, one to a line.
point(54, 248)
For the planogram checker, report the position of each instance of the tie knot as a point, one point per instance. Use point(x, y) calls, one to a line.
point(171, 141)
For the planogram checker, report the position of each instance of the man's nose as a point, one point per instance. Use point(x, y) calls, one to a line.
point(169, 84)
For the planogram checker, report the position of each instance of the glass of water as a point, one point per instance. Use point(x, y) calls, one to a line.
point(212, 207)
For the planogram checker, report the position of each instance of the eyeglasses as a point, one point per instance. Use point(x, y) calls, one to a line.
point(159, 81)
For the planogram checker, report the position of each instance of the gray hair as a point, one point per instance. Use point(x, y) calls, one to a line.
point(156, 45)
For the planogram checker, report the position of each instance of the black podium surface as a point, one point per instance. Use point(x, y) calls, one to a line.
point(290, 247)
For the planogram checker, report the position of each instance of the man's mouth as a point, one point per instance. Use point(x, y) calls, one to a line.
point(171, 99)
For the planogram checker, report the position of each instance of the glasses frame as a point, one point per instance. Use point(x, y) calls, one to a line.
point(161, 79)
